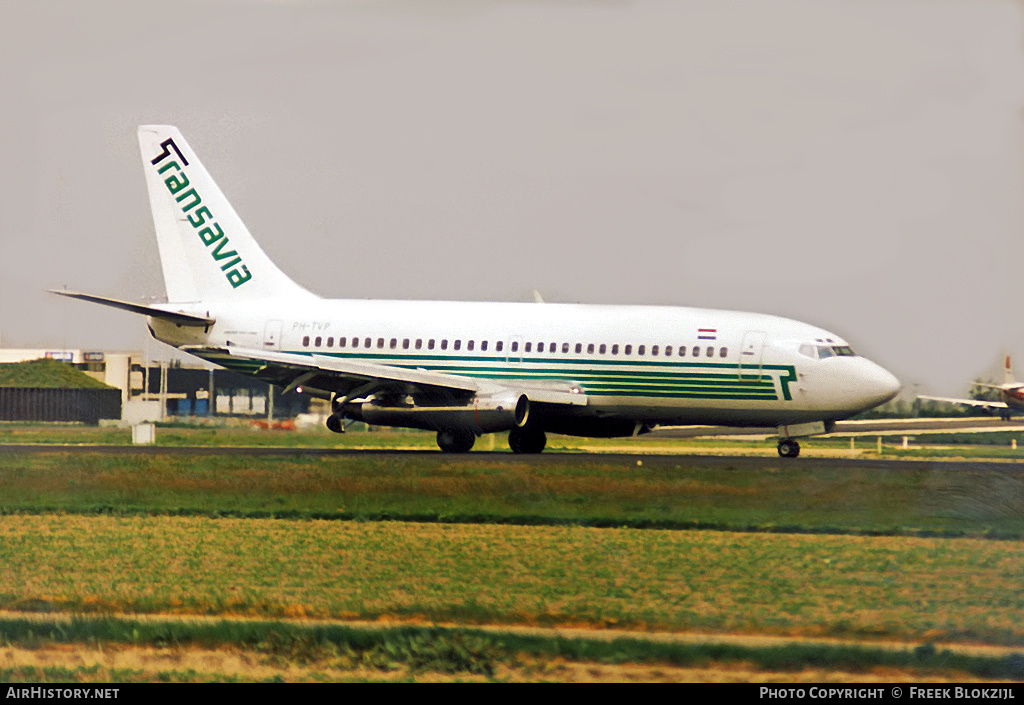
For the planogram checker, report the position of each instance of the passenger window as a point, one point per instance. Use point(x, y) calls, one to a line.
point(654, 350)
point(430, 344)
point(499, 345)
point(615, 349)
point(602, 348)
point(529, 346)
point(419, 343)
point(469, 345)
point(711, 351)
point(628, 350)
point(394, 343)
point(540, 347)
point(640, 349)
point(483, 345)
point(366, 343)
point(380, 343)
point(458, 345)
point(565, 347)
point(668, 350)
point(330, 342)
point(696, 351)
point(318, 341)
point(579, 348)
point(305, 341)
point(515, 346)
point(553, 347)
point(405, 344)
point(355, 342)
point(444, 344)
point(724, 352)
point(590, 348)
point(682, 351)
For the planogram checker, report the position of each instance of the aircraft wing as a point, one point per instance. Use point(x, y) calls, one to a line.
point(350, 378)
point(968, 402)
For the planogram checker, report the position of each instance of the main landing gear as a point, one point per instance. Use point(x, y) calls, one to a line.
point(520, 440)
point(526, 440)
point(789, 448)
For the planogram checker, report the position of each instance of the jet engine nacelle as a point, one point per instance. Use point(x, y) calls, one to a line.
point(491, 413)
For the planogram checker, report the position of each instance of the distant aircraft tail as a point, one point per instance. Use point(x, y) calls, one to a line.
point(206, 252)
point(1008, 377)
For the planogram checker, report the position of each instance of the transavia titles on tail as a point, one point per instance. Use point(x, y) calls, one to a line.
point(463, 369)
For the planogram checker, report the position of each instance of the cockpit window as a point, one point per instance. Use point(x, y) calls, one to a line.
point(820, 352)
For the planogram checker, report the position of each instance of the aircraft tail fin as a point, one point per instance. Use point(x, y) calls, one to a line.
point(1008, 377)
point(206, 251)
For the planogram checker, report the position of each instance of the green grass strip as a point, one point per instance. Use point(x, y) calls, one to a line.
point(467, 650)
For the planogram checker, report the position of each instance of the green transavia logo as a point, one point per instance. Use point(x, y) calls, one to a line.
point(178, 184)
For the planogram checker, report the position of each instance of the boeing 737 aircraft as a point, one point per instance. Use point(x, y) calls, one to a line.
point(465, 369)
point(1011, 392)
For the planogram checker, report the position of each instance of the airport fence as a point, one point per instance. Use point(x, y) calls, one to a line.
point(40, 404)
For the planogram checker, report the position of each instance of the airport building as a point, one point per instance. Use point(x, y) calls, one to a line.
point(163, 390)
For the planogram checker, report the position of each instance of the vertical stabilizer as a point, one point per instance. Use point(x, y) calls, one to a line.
point(206, 251)
point(1008, 377)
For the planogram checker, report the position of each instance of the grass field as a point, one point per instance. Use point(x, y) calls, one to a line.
point(663, 492)
point(961, 589)
point(922, 554)
point(121, 650)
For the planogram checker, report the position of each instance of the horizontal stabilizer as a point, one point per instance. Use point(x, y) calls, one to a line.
point(176, 317)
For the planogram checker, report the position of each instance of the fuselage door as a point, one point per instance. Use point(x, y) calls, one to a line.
point(751, 351)
point(272, 335)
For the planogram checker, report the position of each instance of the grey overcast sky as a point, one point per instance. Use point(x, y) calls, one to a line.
point(857, 165)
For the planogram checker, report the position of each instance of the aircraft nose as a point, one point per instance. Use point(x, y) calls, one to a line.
point(878, 385)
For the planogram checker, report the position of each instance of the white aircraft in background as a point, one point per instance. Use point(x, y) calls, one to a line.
point(1011, 392)
point(465, 369)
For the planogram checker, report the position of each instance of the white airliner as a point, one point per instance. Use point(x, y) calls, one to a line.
point(465, 369)
point(1011, 392)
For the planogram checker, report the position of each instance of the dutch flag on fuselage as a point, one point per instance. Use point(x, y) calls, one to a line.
point(707, 333)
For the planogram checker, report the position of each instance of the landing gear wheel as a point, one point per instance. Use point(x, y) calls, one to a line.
point(455, 441)
point(789, 449)
point(334, 424)
point(525, 440)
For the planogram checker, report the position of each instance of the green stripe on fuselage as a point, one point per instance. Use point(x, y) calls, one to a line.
point(683, 378)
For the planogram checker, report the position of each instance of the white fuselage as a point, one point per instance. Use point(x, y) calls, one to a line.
point(649, 364)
